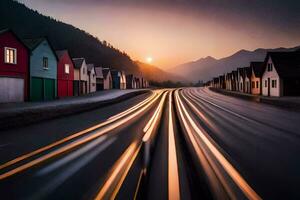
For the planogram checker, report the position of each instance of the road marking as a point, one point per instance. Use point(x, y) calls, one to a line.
point(45, 148)
point(70, 146)
point(173, 176)
point(231, 171)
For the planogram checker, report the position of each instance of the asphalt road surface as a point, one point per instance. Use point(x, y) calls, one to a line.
point(186, 143)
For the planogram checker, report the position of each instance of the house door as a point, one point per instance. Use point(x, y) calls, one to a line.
point(49, 89)
point(269, 88)
point(37, 89)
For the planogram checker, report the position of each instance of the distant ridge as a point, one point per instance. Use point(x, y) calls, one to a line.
point(206, 68)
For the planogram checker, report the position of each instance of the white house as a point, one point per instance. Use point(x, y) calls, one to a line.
point(247, 80)
point(107, 79)
point(240, 79)
point(91, 78)
point(281, 74)
point(80, 76)
point(256, 73)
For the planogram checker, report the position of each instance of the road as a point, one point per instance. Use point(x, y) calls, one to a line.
point(186, 143)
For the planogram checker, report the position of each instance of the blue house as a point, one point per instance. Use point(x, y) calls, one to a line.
point(42, 70)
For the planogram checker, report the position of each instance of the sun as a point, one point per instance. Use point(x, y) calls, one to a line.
point(149, 59)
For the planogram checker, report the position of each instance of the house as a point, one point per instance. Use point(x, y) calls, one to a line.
point(65, 74)
point(234, 78)
point(91, 78)
point(222, 83)
point(107, 79)
point(99, 78)
point(228, 80)
point(14, 69)
point(119, 79)
point(241, 79)
point(123, 81)
point(42, 69)
point(256, 74)
point(130, 82)
point(247, 80)
point(281, 74)
point(216, 82)
point(80, 76)
point(138, 82)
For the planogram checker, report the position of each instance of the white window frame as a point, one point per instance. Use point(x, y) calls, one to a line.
point(67, 69)
point(14, 59)
point(46, 68)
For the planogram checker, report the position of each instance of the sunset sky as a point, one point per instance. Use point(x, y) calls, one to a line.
point(168, 33)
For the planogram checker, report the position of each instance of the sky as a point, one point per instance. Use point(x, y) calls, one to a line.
point(171, 32)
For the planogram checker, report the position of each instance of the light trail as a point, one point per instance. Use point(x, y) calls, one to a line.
point(231, 171)
point(173, 175)
point(71, 146)
point(75, 135)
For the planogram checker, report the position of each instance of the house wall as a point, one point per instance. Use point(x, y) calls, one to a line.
point(255, 90)
point(76, 74)
point(272, 75)
point(241, 84)
point(36, 65)
point(107, 84)
point(64, 80)
point(247, 88)
point(92, 81)
point(18, 71)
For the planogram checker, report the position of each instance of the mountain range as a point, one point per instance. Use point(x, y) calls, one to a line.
point(206, 68)
point(28, 23)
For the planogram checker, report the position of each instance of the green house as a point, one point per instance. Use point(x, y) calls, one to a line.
point(42, 70)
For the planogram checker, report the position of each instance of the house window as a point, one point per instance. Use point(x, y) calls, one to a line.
point(83, 70)
point(45, 63)
point(274, 83)
point(253, 84)
point(256, 84)
point(270, 67)
point(10, 56)
point(67, 68)
point(266, 83)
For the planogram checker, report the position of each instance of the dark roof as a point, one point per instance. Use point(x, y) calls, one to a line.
point(33, 43)
point(78, 62)
point(287, 64)
point(90, 67)
point(241, 71)
point(257, 68)
point(5, 30)
point(247, 72)
point(105, 72)
point(60, 53)
point(114, 73)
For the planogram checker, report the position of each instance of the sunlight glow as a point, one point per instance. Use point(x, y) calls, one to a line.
point(149, 59)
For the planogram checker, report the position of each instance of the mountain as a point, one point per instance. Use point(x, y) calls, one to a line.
point(156, 74)
point(206, 68)
point(27, 23)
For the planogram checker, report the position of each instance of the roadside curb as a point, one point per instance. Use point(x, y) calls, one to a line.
point(30, 116)
point(259, 99)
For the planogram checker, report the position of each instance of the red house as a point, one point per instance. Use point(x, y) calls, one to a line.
point(14, 62)
point(65, 74)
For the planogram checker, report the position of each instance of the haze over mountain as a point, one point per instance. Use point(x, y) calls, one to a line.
point(206, 68)
point(28, 23)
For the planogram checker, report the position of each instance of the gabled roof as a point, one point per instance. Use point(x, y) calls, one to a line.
point(33, 43)
point(11, 31)
point(114, 72)
point(60, 53)
point(99, 72)
point(77, 62)
point(241, 72)
point(247, 72)
point(90, 67)
point(287, 64)
point(257, 68)
point(105, 72)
